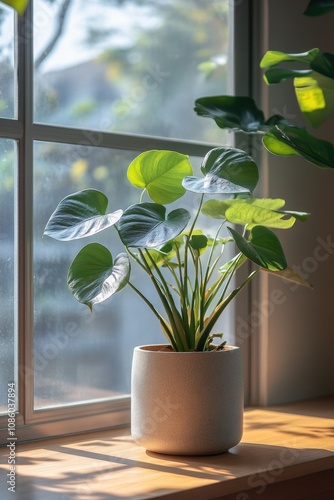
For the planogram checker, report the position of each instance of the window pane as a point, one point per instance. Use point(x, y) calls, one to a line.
point(7, 74)
point(78, 355)
point(7, 269)
point(130, 66)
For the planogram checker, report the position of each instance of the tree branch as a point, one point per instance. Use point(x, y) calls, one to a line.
point(60, 21)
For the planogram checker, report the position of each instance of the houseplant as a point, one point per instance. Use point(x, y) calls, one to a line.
point(191, 278)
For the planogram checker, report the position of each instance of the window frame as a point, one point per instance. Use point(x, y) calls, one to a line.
point(82, 417)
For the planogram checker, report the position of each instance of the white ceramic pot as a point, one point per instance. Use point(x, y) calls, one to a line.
point(186, 403)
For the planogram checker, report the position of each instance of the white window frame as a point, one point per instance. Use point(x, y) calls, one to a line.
point(36, 424)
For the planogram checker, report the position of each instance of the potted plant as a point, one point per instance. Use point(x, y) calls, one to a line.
point(193, 378)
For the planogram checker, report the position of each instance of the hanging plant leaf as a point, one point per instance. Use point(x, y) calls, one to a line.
point(145, 225)
point(319, 7)
point(324, 64)
point(227, 171)
point(233, 112)
point(18, 5)
point(314, 86)
point(315, 97)
point(93, 276)
point(288, 141)
point(263, 248)
point(277, 75)
point(80, 215)
point(161, 173)
point(275, 57)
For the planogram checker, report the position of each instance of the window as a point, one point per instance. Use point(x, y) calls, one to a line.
point(98, 83)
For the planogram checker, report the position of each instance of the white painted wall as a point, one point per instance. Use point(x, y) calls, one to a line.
point(298, 334)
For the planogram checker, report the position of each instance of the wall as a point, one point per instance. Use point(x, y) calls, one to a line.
point(295, 335)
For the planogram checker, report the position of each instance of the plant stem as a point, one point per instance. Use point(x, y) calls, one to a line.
point(155, 312)
point(219, 309)
point(168, 303)
point(186, 246)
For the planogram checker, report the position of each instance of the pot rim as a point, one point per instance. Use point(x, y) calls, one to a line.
point(162, 349)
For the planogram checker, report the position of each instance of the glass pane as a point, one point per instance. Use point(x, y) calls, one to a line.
point(7, 74)
point(7, 269)
point(130, 66)
point(81, 356)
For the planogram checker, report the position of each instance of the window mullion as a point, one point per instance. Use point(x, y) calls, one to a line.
point(25, 227)
point(133, 142)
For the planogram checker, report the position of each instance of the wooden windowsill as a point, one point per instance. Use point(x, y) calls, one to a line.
point(284, 450)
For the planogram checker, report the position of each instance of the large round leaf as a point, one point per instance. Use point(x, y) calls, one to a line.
point(263, 248)
point(227, 171)
point(161, 173)
point(80, 215)
point(288, 141)
point(145, 225)
point(93, 276)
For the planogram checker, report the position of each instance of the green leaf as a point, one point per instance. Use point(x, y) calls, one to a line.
point(217, 208)
point(198, 241)
point(263, 248)
point(253, 211)
point(93, 276)
point(236, 113)
point(319, 7)
point(18, 5)
point(80, 215)
point(233, 112)
point(227, 171)
point(274, 57)
point(314, 87)
point(315, 97)
point(324, 64)
point(277, 75)
point(252, 215)
point(145, 225)
point(161, 173)
point(288, 141)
